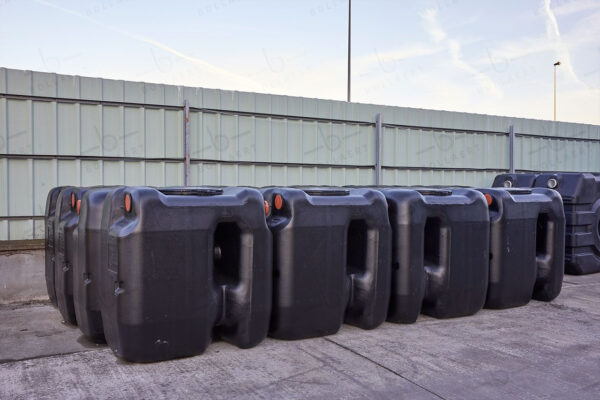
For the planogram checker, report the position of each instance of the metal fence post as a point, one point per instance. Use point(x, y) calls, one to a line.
point(511, 149)
point(378, 124)
point(186, 143)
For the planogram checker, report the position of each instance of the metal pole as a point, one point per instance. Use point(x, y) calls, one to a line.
point(555, 92)
point(349, 38)
point(378, 124)
point(186, 142)
point(556, 64)
point(511, 149)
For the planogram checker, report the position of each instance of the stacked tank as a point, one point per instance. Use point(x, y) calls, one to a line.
point(527, 233)
point(331, 260)
point(65, 249)
point(440, 252)
point(159, 273)
point(580, 194)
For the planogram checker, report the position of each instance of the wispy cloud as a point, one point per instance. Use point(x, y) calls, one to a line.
point(439, 35)
point(514, 49)
point(433, 26)
point(582, 34)
point(553, 33)
point(404, 53)
point(390, 60)
point(246, 82)
point(572, 7)
point(551, 23)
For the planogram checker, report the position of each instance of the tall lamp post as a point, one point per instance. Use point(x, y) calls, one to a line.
point(349, 37)
point(556, 64)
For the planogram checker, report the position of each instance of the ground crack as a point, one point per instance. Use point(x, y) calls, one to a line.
point(384, 367)
point(17, 360)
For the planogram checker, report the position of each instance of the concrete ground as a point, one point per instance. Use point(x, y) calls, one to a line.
point(540, 351)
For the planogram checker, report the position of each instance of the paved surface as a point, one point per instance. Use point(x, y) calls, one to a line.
point(540, 351)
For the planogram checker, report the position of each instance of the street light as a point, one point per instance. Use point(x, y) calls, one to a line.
point(349, 38)
point(556, 64)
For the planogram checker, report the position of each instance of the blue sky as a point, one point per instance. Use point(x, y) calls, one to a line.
point(487, 57)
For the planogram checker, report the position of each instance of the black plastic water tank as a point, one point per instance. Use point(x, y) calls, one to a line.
point(331, 260)
point(515, 180)
point(86, 266)
point(527, 233)
point(181, 265)
point(581, 198)
point(66, 220)
point(49, 220)
point(440, 252)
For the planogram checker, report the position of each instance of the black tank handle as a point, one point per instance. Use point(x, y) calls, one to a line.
point(434, 192)
point(518, 191)
point(361, 282)
point(550, 249)
point(326, 192)
point(190, 191)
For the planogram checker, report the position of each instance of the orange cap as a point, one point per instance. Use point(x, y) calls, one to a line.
point(267, 207)
point(488, 198)
point(278, 202)
point(72, 200)
point(78, 206)
point(128, 202)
